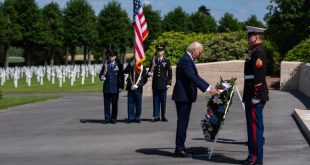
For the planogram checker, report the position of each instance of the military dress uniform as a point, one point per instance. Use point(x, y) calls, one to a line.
point(254, 97)
point(161, 81)
point(113, 76)
point(134, 102)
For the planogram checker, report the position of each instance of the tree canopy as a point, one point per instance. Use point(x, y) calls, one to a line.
point(176, 20)
point(153, 23)
point(228, 23)
point(114, 27)
point(288, 23)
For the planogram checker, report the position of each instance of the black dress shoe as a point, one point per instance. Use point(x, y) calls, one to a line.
point(250, 163)
point(156, 119)
point(188, 151)
point(129, 121)
point(245, 161)
point(112, 121)
point(164, 119)
point(137, 121)
point(182, 154)
point(257, 164)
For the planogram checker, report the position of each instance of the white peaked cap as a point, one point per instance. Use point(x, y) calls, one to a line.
point(253, 29)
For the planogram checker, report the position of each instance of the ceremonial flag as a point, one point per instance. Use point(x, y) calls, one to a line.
point(141, 32)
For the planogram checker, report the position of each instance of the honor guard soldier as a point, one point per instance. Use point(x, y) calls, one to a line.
point(135, 82)
point(113, 76)
point(255, 95)
point(161, 71)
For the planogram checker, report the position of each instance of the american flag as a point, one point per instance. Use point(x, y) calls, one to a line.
point(141, 32)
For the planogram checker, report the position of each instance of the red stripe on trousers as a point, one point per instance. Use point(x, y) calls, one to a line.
point(254, 134)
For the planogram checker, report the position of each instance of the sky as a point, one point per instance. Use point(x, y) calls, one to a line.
point(241, 9)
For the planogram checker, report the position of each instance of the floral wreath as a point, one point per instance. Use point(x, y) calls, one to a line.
point(217, 108)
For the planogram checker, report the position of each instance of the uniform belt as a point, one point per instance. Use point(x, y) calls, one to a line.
point(248, 77)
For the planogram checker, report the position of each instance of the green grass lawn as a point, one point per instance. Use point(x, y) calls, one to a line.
point(48, 87)
point(10, 101)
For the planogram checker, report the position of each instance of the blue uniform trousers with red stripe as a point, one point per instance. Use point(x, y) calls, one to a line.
point(255, 130)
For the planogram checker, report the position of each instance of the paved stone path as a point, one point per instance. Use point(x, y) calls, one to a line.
point(50, 133)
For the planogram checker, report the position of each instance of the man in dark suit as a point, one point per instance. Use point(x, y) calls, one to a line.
point(161, 71)
point(113, 76)
point(255, 95)
point(185, 93)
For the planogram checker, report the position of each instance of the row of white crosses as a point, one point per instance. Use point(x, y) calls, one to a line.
point(61, 72)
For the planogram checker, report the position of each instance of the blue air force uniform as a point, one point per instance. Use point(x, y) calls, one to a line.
point(254, 97)
point(113, 76)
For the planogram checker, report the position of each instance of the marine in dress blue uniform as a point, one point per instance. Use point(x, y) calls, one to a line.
point(135, 83)
point(160, 70)
point(113, 76)
point(185, 93)
point(255, 95)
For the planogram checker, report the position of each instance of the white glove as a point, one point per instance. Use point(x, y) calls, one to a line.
point(168, 86)
point(255, 101)
point(150, 74)
point(134, 87)
point(102, 78)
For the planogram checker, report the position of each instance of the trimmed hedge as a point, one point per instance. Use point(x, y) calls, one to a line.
point(217, 47)
point(300, 52)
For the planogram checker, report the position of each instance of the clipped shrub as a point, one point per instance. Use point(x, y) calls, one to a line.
point(300, 52)
point(217, 46)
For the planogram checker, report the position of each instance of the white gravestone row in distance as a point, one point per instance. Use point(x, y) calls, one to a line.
point(61, 72)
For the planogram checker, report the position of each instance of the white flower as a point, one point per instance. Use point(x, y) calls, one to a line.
point(226, 85)
point(217, 100)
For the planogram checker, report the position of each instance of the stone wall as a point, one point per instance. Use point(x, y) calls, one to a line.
point(304, 82)
point(210, 72)
point(295, 76)
point(290, 75)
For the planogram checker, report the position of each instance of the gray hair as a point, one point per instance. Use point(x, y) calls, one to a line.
point(194, 45)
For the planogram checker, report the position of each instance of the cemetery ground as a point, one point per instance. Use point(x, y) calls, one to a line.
point(12, 97)
point(51, 133)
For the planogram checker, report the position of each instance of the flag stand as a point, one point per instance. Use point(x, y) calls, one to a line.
point(222, 123)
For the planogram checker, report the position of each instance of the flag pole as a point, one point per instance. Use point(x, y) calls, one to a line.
point(134, 51)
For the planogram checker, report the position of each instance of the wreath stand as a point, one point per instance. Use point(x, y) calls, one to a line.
point(222, 122)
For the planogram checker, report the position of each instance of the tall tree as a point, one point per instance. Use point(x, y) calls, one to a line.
point(153, 23)
point(10, 31)
point(253, 21)
point(79, 26)
point(228, 23)
point(30, 19)
point(176, 20)
point(288, 23)
point(52, 17)
point(202, 21)
point(114, 27)
point(203, 9)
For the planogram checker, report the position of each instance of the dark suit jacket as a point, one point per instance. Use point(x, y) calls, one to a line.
point(187, 81)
